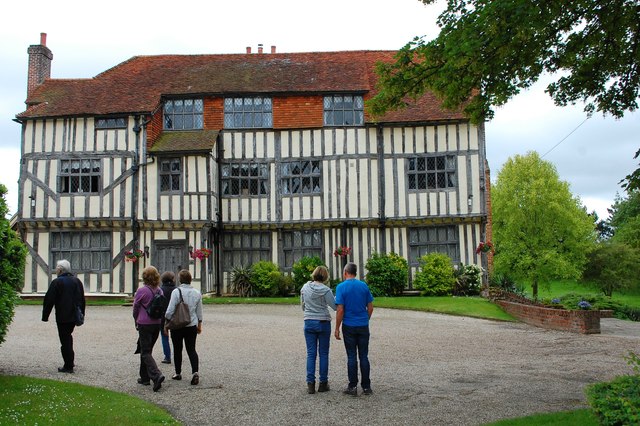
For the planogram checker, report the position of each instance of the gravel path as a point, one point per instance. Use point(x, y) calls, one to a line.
point(425, 368)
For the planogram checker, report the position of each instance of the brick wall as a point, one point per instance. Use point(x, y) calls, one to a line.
point(154, 128)
point(585, 322)
point(297, 112)
point(213, 113)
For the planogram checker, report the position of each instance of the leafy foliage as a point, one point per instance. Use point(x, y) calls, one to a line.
point(241, 282)
point(267, 280)
point(12, 261)
point(387, 275)
point(303, 269)
point(541, 232)
point(435, 276)
point(468, 280)
point(613, 267)
point(617, 402)
point(488, 51)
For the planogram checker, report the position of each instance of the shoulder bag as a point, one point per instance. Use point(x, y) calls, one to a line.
point(181, 316)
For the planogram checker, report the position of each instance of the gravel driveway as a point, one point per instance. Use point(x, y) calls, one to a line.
point(425, 368)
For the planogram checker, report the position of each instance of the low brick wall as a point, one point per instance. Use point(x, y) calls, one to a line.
point(586, 322)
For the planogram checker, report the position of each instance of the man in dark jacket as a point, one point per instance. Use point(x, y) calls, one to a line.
point(65, 293)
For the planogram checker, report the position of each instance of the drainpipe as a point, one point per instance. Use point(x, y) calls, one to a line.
point(219, 230)
point(381, 189)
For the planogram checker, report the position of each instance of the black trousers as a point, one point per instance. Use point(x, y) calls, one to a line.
point(65, 330)
point(148, 334)
point(188, 336)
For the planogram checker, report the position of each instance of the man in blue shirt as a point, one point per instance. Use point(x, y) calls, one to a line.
point(354, 308)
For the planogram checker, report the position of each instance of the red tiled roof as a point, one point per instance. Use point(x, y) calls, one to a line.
point(136, 85)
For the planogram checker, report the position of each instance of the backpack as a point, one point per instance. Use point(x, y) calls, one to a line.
point(157, 306)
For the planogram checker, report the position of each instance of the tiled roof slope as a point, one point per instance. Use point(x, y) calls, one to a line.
point(136, 85)
point(200, 140)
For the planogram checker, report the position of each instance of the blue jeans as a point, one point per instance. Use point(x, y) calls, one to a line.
point(356, 342)
point(166, 347)
point(318, 336)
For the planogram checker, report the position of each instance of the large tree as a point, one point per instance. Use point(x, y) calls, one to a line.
point(541, 231)
point(489, 50)
point(624, 219)
point(12, 258)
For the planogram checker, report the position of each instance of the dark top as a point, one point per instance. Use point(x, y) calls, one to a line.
point(65, 292)
point(167, 289)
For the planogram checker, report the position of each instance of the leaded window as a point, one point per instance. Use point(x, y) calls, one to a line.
point(431, 172)
point(80, 176)
point(245, 248)
point(343, 110)
point(245, 179)
point(248, 113)
point(434, 239)
point(301, 177)
point(86, 251)
point(170, 175)
point(298, 244)
point(183, 114)
point(111, 123)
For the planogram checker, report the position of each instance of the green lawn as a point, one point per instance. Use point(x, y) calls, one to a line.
point(31, 401)
point(565, 418)
point(559, 288)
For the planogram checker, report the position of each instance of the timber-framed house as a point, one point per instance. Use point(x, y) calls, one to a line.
point(255, 156)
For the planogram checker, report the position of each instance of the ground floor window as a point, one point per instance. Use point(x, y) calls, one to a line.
point(245, 248)
point(86, 251)
point(297, 244)
point(434, 239)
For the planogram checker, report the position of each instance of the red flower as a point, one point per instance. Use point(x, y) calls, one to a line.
point(484, 247)
point(342, 251)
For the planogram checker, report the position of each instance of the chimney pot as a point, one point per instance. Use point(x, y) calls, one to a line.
point(260, 48)
point(273, 49)
point(43, 39)
point(248, 49)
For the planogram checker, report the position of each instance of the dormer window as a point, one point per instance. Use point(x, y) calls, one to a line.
point(248, 113)
point(343, 110)
point(183, 114)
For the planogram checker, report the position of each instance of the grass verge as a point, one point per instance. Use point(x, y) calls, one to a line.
point(26, 400)
point(584, 417)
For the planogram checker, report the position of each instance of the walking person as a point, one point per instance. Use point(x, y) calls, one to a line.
point(65, 293)
point(355, 306)
point(148, 328)
point(168, 280)
point(187, 335)
point(316, 299)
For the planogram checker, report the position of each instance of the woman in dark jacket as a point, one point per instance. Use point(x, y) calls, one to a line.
point(168, 285)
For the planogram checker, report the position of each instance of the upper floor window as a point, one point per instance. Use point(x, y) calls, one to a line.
point(86, 251)
point(343, 110)
point(245, 179)
point(183, 114)
point(111, 123)
point(80, 176)
point(432, 172)
point(248, 113)
point(301, 177)
point(170, 175)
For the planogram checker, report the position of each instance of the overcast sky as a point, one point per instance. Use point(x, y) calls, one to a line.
point(87, 38)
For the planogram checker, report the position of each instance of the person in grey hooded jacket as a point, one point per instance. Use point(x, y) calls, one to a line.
point(316, 299)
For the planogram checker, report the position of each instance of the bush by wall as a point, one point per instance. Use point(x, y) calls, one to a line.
point(388, 274)
point(302, 270)
point(435, 276)
point(267, 280)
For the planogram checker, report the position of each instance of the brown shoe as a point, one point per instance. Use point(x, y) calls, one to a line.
point(311, 387)
point(323, 387)
point(195, 379)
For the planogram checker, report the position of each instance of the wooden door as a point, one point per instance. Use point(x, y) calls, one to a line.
point(170, 255)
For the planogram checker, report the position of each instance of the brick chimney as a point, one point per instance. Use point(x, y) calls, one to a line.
point(40, 58)
point(273, 49)
point(260, 48)
point(248, 49)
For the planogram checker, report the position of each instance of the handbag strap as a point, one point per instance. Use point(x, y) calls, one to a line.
point(181, 299)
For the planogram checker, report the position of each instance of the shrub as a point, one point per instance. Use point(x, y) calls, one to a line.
point(302, 270)
point(387, 274)
point(241, 282)
point(468, 280)
point(8, 300)
point(266, 279)
point(435, 276)
point(506, 283)
point(617, 402)
point(627, 313)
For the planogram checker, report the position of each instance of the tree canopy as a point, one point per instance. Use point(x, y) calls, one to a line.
point(541, 231)
point(489, 50)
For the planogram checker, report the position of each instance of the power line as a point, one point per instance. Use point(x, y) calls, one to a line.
point(562, 140)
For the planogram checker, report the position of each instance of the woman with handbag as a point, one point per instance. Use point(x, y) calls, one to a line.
point(181, 334)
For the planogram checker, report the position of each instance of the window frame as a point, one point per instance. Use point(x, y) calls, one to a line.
point(72, 245)
point(335, 110)
point(288, 177)
point(420, 242)
point(240, 112)
point(171, 173)
point(175, 117)
point(66, 176)
point(109, 123)
point(293, 253)
point(443, 172)
point(243, 244)
point(245, 182)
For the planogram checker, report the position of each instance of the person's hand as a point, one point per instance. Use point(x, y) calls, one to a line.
point(337, 334)
point(199, 328)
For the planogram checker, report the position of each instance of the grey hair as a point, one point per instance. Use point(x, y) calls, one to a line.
point(64, 265)
point(351, 268)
